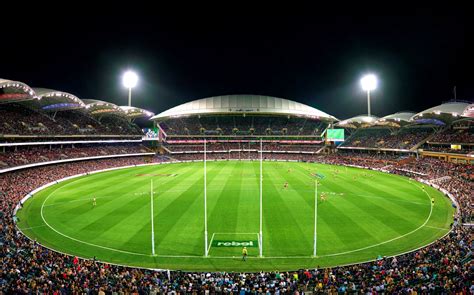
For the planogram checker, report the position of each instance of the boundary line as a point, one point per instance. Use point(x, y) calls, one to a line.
point(390, 240)
point(270, 257)
point(435, 227)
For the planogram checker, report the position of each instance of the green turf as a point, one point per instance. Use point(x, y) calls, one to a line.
point(366, 214)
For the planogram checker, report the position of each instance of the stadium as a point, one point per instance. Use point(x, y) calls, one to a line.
point(90, 200)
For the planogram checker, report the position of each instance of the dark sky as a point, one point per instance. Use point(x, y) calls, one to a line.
point(310, 57)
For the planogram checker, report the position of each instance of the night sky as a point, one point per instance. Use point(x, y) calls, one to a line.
point(314, 58)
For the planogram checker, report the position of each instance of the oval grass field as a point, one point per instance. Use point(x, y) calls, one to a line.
point(365, 214)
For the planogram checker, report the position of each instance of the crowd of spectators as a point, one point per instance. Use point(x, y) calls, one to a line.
point(242, 125)
point(360, 159)
point(21, 120)
point(448, 149)
point(247, 155)
point(442, 267)
point(24, 155)
point(405, 138)
point(454, 136)
point(232, 146)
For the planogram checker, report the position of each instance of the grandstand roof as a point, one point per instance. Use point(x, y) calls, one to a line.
point(134, 113)
point(469, 111)
point(358, 121)
point(54, 100)
point(99, 107)
point(446, 112)
point(244, 104)
point(395, 120)
point(15, 91)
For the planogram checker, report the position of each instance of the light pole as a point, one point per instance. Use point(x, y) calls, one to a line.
point(368, 83)
point(130, 80)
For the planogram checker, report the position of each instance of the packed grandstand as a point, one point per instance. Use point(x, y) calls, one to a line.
point(46, 135)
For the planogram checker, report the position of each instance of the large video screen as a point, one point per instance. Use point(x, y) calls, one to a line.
point(335, 134)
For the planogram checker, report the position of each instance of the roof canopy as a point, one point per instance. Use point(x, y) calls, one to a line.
point(244, 104)
point(11, 91)
point(395, 120)
point(134, 113)
point(99, 107)
point(469, 111)
point(446, 112)
point(358, 121)
point(53, 100)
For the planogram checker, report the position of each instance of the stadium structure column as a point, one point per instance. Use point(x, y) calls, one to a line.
point(368, 103)
point(261, 185)
point(206, 252)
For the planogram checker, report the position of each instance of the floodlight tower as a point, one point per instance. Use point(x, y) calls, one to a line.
point(130, 80)
point(368, 83)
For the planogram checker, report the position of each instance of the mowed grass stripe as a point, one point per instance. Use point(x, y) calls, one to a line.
point(183, 229)
point(387, 197)
point(282, 218)
point(222, 214)
point(99, 224)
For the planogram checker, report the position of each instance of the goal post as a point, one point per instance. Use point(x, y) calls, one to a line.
point(152, 222)
point(259, 241)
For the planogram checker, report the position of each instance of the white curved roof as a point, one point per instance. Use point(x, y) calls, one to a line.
point(400, 116)
point(243, 104)
point(13, 85)
point(134, 112)
point(445, 112)
point(469, 111)
point(357, 121)
point(397, 119)
point(58, 96)
point(100, 107)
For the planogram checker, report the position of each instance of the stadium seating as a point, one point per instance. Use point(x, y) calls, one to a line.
point(239, 125)
point(442, 267)
point(454, 136)
point(405, 138)
point(24, 120)
point(35, 154)
point(225, 146)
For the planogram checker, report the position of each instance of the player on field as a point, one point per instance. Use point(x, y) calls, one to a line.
point(244, 253)
point(94, 203)
point(285, 186)
point(323, 197)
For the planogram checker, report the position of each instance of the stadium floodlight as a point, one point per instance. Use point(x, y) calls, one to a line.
point(130, 80)
point(368, 83)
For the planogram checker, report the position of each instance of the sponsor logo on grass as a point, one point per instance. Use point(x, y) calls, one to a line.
point(318, 175)
point(234, 243)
